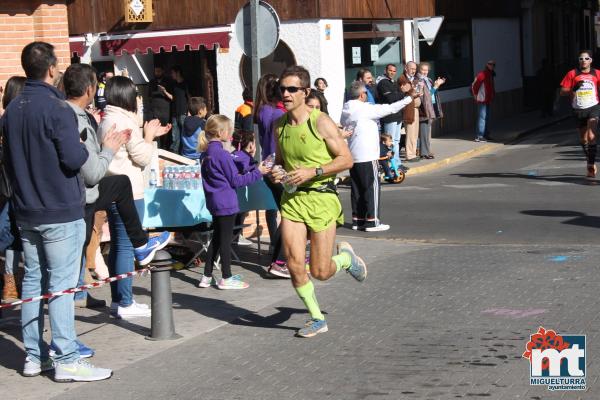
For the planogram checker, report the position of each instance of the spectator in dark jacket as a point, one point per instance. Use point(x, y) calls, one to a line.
point(388, 92)
point(44, 155)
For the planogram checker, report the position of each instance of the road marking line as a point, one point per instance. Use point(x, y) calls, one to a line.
point(478, 186)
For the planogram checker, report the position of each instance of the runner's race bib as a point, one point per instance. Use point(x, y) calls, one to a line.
point(585, 96)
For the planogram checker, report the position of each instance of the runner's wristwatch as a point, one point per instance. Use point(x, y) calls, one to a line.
point(318, 171)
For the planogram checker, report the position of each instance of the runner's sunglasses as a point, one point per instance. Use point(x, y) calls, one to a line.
point(290, 89)
point(585, 58)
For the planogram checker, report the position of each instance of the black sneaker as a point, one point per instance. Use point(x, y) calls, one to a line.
point(90, 302)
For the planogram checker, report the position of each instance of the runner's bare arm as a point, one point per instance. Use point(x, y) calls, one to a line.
point(342, 159)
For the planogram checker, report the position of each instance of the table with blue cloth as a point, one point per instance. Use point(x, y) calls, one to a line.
point(185, 209)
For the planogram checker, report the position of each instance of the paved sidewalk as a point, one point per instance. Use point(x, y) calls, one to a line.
point(120, 343)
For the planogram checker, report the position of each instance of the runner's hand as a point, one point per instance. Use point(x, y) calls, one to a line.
point(577, 86)
point(300, 175)
point(277, 174)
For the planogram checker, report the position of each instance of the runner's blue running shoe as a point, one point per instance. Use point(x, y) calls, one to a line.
point(145, 254)
point(312, 328)
point(358, 268)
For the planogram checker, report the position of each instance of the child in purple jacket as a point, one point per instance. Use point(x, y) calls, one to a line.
point(220, 178)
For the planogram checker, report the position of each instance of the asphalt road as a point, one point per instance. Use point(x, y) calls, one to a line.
point(532, 192)
point(479, 256)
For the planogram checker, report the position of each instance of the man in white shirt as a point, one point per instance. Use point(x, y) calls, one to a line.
point(361, 116)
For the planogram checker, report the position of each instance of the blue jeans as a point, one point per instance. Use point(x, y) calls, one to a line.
point(393, 129)
point(120, 258)
point(483, 120)
point(52, 261)
point(81, 281)
point(12, 259)
point(176, 132)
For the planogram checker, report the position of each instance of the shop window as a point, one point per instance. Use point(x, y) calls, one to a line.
point(450, 55)
point(372, 46)
point(274, 63)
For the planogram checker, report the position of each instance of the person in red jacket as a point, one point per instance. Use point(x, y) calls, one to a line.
point(483, 91)
point(582, 85)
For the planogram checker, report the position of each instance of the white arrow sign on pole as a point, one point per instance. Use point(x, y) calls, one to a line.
point(429, 28)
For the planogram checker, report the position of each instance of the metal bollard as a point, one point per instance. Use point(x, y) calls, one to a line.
point(162, 326)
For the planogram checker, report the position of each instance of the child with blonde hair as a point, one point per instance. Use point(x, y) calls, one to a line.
point(220, 178)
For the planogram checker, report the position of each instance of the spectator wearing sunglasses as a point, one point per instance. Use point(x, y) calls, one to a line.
point(582, 85)
point(483, 92)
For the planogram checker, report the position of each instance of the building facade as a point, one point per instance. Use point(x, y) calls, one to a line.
point(331, 38)
point(23, 21)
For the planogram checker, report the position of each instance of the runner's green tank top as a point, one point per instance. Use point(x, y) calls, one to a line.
point(301, 145)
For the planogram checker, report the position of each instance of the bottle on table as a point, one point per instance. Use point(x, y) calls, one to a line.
point(153, 178)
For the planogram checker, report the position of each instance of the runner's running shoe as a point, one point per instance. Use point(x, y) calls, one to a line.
point(358, 268)
point(313, 327)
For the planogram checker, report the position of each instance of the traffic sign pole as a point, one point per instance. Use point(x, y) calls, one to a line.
point(254, 29)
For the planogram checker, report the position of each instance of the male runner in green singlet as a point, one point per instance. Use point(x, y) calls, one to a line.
point(312, 151)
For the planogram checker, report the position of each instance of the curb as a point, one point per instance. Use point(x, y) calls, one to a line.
point(473, 152)
point(481, 150)
point(453, 159)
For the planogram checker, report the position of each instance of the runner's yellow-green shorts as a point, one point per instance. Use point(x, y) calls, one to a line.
point(315, 209)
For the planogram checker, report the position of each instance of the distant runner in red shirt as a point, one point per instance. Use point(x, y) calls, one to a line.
point(582, 85)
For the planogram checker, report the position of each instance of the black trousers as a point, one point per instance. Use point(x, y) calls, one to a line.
point(221, 245)
point(365, 194)
point(116, 189)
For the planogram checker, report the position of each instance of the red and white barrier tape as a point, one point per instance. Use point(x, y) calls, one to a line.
point(78, 289)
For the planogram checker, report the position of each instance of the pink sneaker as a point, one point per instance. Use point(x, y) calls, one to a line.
point(279, 270)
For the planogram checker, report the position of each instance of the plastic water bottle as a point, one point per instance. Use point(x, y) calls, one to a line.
point(165, 178)
point(188, 176)
point(270, 160)
point(288, 187)
point(153, 178)
point(196, 177)
point(175, 179)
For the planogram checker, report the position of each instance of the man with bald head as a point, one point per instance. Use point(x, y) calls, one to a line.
point(410, 114)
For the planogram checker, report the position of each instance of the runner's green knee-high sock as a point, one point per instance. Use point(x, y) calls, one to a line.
point(307, 294)
point(342, 261)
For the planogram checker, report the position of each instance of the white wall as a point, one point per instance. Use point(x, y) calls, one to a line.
point(323, 58)
point(499, 39)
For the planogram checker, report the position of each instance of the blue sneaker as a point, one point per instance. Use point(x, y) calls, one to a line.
point(84, 351)
point(358, 268)
point(313, 327)
point(145, 254)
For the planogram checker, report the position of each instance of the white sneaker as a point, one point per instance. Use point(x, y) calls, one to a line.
point(80, 371)
point(114, 307)
point(135, 310)
point(205, 282)
point(242, 241)
point(378, 228)
point(32, 368)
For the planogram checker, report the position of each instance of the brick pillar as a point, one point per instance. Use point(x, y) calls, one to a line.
point(22, 22)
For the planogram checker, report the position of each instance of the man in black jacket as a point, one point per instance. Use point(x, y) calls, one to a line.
point(388, 92)
point(43, 156)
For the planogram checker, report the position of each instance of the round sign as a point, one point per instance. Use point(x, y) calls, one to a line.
point(268, 32)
